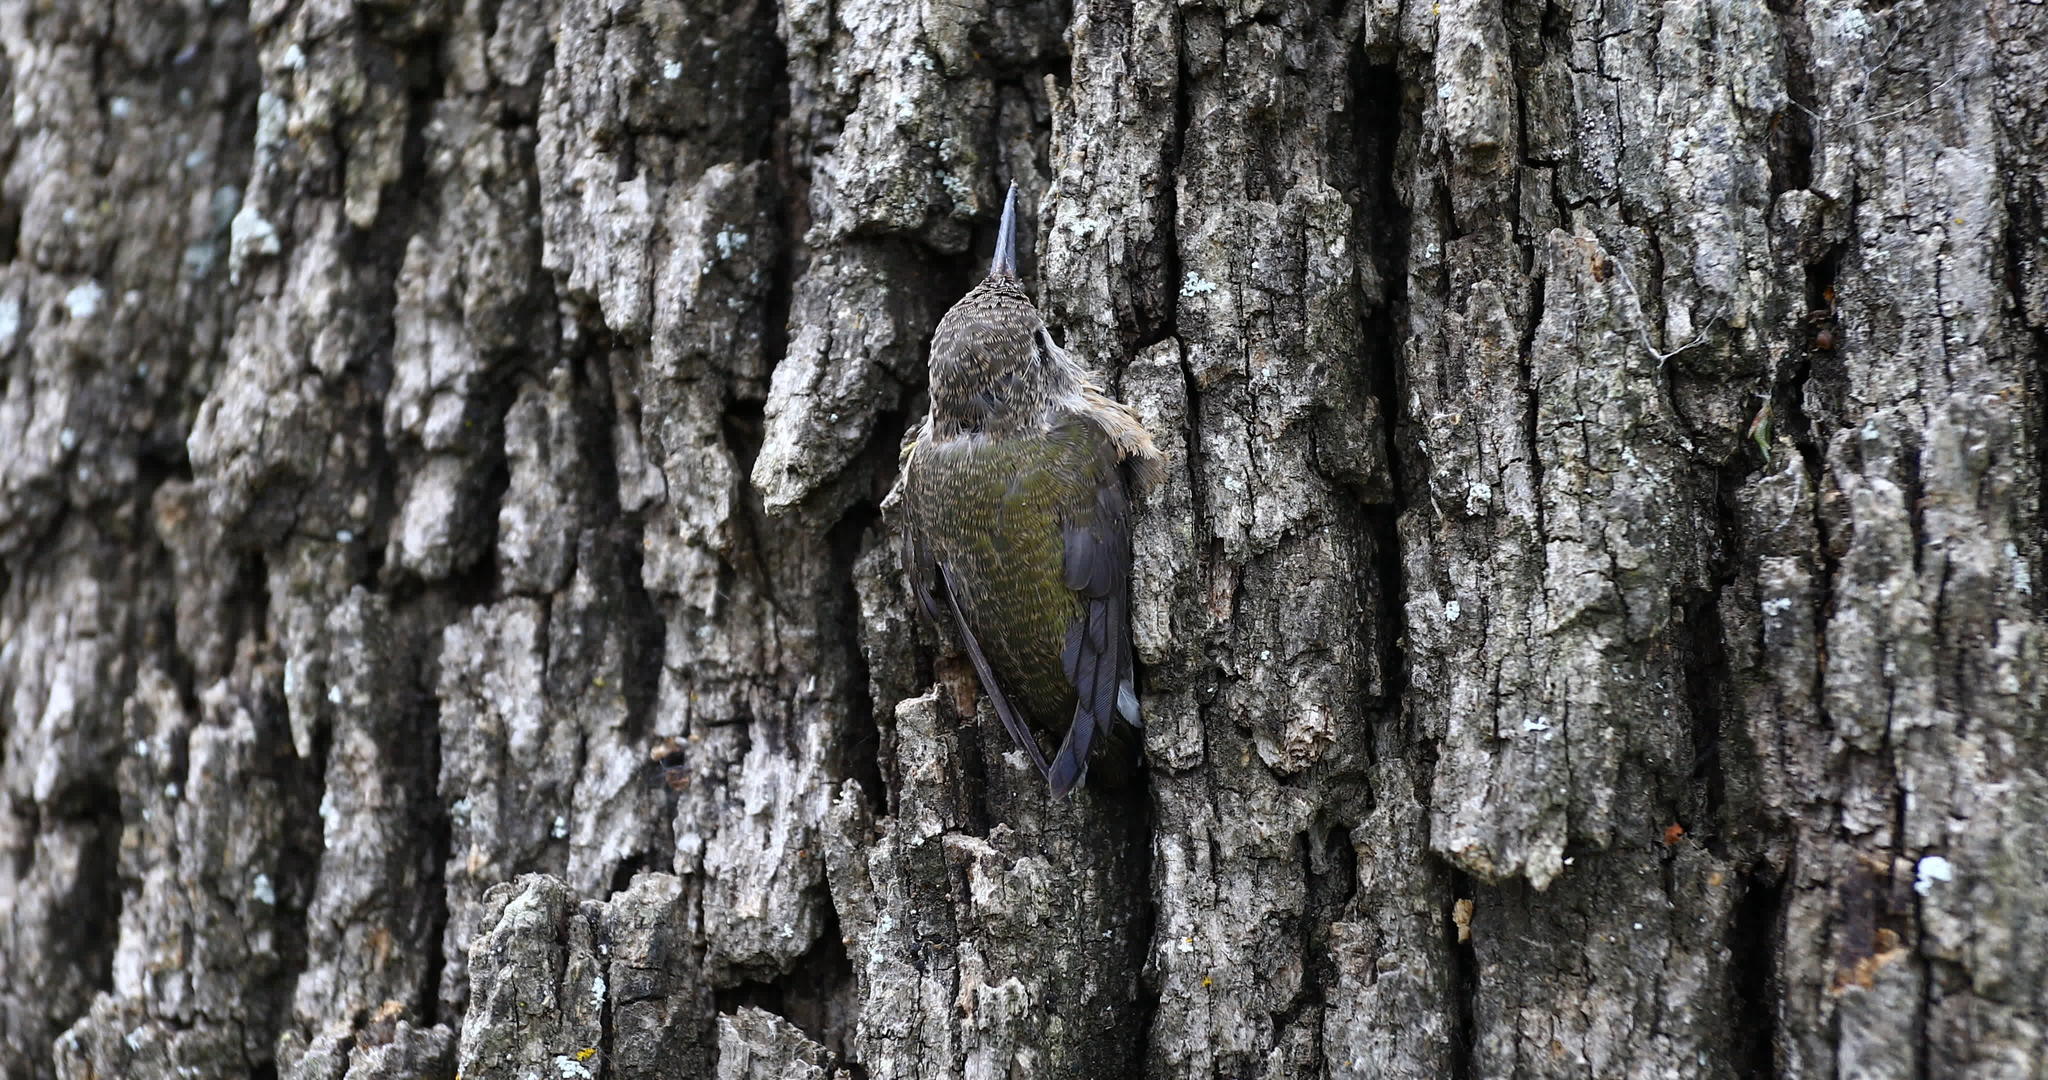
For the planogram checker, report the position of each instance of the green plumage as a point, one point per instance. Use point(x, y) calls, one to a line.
point(992, 511)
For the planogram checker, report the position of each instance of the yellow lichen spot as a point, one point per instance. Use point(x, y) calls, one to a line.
point(586, 1053)
point(1207, 982)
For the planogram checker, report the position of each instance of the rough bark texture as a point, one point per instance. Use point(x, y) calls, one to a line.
point(1593, 625)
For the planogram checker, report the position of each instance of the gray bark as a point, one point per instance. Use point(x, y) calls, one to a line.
point(1592, 625)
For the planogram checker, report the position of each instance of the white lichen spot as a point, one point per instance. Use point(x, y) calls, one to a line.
point(68, 438)
point(262, 891)
point(134, 1039)
point(271, 116)
point(1478, 496)
point(729, 240)
point(334, 695)
point(572, 1069)
point(172, 790)
point(957, 189)
point(1931, 869)
point(199, 259)
point(249, 234)
point(1196, 285)
point(142, 748)
point(2022, 577)
point(1541, 723)
point(344, 536)
point(293, 58)
point(1452, 610)
point(120, 107)
point(561, 828)
point(597, 992)
point(83, 301)
point(10, 321)
point(672, 70)
point(1777, 606)
point(327, 810)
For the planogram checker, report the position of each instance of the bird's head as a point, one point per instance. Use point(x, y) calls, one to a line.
point(993, 366)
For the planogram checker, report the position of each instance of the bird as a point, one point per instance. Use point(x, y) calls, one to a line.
point(1016, 496)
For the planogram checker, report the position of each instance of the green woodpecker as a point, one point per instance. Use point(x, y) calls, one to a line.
point(1018, 519)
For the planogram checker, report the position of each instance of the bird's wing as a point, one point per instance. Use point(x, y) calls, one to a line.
point(928, 577)
point(1096, 538)
point(921, 571)
point(1012, 723)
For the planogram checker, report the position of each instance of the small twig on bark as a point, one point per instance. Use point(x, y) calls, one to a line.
point(1640, 322)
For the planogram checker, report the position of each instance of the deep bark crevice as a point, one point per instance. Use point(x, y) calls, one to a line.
point(10, 241)
point(817, 993)
point(1753, 946)
point(1532, 433)
point(93, 919)
point(1141, 825)
point(1464, 980)
point(439, 829)
point(860, 743)
point(643, 634)
point(1708, 673)
point(2028, 220)
point(302, 787)
point(1791, 144)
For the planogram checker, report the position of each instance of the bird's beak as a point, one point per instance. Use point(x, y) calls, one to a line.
point(1005, 262)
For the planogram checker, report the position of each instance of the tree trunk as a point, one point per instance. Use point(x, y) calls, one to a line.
point(450, 621)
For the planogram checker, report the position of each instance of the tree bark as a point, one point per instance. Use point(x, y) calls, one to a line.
point(449, 613)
